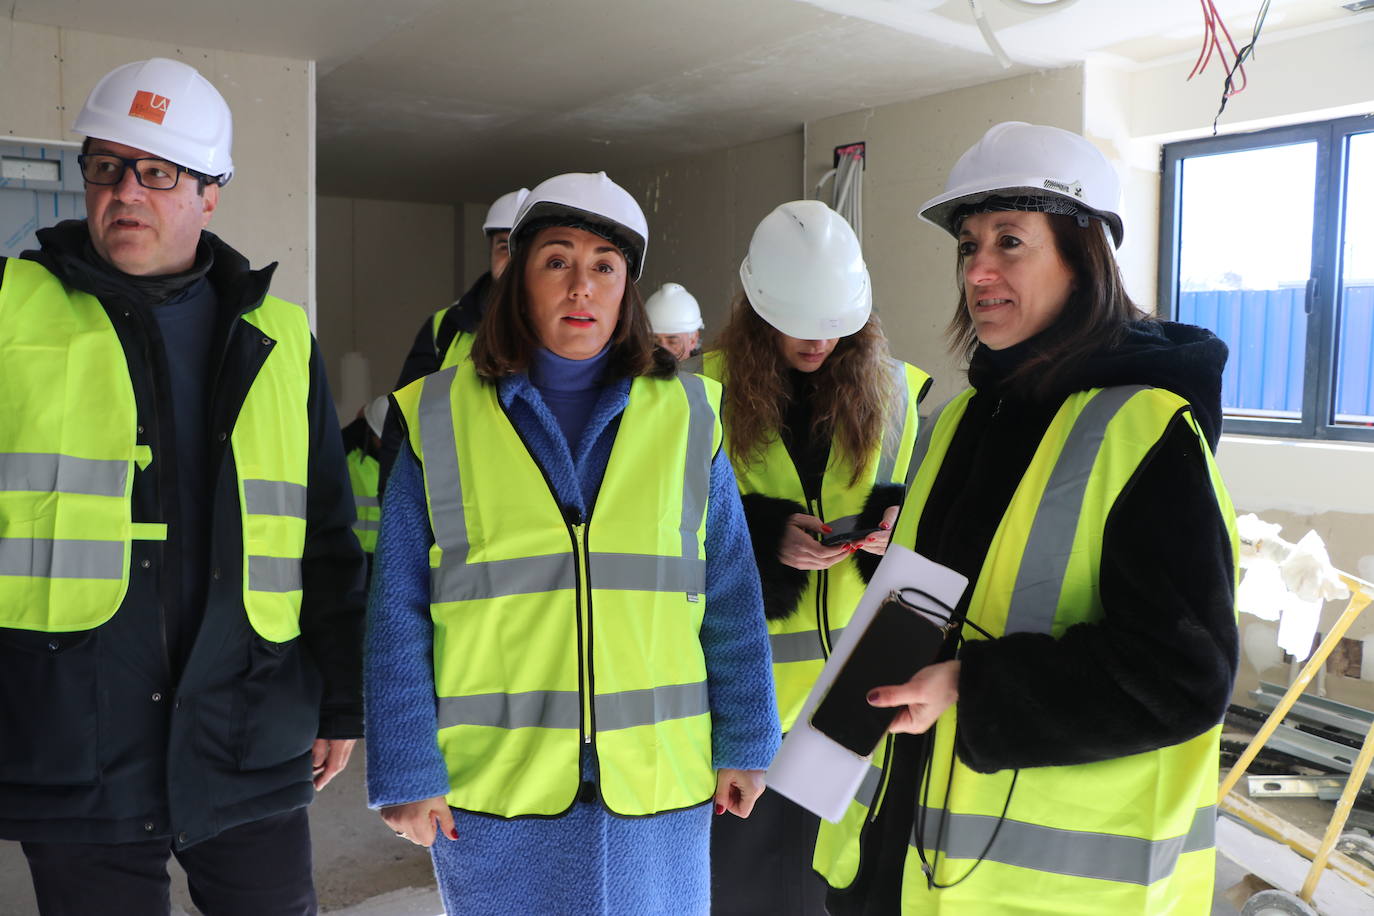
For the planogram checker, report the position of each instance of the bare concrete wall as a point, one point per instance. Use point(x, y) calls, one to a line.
point(267, 211)
point(385, 266)
point(702, 211)
point(911, 147)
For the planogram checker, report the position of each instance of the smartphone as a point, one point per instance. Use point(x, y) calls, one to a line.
point(897, 643)
point(838, 538)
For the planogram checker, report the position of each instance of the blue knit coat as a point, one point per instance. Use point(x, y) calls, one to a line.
point(588, 860)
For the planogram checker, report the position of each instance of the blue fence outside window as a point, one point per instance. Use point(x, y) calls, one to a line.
point(1267, 333)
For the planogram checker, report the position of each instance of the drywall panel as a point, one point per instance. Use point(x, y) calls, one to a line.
point(30, 71)
point(265, 211)
point(702, 211)
point(334, 287)
point(476, 257)
point(385, 266)
point(911, 148)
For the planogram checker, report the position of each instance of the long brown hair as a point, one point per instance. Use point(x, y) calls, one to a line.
point(1095, 314)
point(505, 342)
point(853, 389)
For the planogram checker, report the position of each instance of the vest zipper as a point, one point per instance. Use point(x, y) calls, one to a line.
point(582, 574)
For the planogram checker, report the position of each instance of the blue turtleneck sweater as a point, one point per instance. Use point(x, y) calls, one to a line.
point(570, 388)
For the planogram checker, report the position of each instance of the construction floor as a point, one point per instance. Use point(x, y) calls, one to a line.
point(363, 870)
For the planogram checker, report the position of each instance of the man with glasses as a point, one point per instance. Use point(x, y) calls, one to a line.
point(180, 587)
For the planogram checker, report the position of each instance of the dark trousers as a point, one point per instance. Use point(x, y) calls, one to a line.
point(761, 866)
point(257, 869)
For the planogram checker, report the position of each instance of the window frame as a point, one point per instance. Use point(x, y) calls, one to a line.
point(1324, 290)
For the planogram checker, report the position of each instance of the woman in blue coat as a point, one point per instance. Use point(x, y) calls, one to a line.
point(562, 787)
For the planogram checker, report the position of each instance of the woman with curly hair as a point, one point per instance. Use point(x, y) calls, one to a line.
point(820, 422)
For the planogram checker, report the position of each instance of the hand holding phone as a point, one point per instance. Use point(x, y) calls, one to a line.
point(840, 538)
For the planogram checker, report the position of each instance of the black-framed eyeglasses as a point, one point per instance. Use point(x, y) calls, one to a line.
point(156, 174)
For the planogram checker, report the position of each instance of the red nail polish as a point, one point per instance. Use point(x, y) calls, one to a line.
point(884, 526)
point(872, 538)
point(827, 529)
point(720, 809)
point(453, 832)
point(873, 696)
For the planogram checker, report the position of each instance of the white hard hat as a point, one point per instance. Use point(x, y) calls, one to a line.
point(591, 201)
point(673, 310)
point(805, 273)
point(501, 214)
point(1035, 163)
point(167, 108)
point(375, 414)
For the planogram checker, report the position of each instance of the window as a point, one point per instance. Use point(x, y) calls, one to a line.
point(1267, 239)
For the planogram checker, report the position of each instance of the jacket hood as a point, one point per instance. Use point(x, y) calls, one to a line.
point(66, 250)
point(1181, 358)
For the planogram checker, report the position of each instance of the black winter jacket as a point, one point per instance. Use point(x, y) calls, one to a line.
point(1156, 670)
point(101, 741)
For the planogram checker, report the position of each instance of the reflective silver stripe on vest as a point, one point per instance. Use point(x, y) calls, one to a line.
point(535, 709)
point(650, 706)
point(896, 426)
point(563, 709)
point(922, 446)
point(458, 580)
point(800, 647)
point(439, 442)
point(367, 524)
point(274, 497)
point(365, 502)
point(868, 789)
point(453, 581)
point(696, 483)
point(274, 574)
point(57, 558)
point(1035, 600)
point(1079, 853)
point(35, 472)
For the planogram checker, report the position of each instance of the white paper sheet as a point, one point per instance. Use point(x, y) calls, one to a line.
point(811, 769)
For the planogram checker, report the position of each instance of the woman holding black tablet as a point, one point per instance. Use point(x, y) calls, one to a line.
point(1073, 484)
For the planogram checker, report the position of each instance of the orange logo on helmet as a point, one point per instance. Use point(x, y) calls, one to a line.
point(149, 106)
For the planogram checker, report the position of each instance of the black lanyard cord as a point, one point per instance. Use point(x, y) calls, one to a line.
point(929, 866)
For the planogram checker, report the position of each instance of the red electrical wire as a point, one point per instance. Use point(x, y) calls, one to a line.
point(1211, 23)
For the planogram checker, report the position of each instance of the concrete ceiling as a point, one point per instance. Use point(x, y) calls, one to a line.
point(453, 100)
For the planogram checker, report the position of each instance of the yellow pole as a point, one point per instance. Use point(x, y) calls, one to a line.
point(1333, 829)
point(1362, 595)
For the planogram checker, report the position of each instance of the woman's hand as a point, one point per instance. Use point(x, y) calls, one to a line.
point(415, 820)
point(877, 543)
point(800, 550)
point(328, 757)
point(926, 696)
point(737, 790)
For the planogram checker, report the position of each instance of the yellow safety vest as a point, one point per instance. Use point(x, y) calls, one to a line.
point(68, 446)
point(363, 472)
point(802, 641)
point(1128, 835)
point(459, 348)
point(551, 632)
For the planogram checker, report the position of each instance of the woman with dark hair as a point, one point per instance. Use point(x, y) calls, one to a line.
point(1095, 647)
point(819, 424)
point(566, 651)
